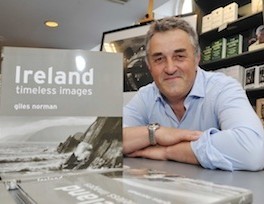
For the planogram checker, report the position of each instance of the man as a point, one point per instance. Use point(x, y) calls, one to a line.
point(187, 114)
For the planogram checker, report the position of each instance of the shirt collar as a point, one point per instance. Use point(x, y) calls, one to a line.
point(199, 83)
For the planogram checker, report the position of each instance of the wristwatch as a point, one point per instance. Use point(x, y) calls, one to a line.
point(151, 129)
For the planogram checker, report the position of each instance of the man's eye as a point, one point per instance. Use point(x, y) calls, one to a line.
point(179, 57)
point(158, 60)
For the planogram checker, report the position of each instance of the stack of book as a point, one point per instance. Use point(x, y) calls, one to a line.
point(220, 16)
point(223, 48)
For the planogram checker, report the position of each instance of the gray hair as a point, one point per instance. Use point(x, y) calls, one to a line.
point(173, 23)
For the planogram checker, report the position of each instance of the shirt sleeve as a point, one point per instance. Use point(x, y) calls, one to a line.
point(239, 142)
point(134, 112)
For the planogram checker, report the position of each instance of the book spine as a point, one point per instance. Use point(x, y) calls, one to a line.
point(207, 54)
point(234, 45)
point(219, 49)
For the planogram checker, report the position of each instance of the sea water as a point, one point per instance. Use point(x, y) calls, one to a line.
point(30, 156)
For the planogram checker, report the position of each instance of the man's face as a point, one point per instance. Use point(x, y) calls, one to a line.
point(172, 63)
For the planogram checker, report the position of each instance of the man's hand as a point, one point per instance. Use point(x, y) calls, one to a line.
point(181, 152)
point(151, 152)
point(166, 136)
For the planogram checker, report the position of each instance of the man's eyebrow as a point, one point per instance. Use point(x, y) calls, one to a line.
point(180, 50)
point(157, 54)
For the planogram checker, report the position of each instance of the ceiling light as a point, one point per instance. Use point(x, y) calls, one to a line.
point(51, 24)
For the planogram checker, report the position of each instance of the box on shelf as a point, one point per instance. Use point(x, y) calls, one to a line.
point(234, 45)
point(251, 78)
point(206, 23)
point(217, 17)
point(219, 49)
point(230, 12)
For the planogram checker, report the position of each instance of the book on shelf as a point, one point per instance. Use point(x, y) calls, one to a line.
point(234, 45)
point(260, 76)
point(130, 186)
point(230, 12)
point(207, 23)
point(207, 54)
point(218, 49)
point(217, 17)
point(256, 6)
point(251, 78)
point(56, 111)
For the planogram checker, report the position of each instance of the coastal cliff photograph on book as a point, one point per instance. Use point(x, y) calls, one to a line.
point(55, 110)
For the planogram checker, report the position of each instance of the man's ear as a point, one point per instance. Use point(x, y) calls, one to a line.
point(147, 63)
point(197, 59)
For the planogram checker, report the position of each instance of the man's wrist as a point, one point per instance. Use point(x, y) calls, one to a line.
point(152, 132)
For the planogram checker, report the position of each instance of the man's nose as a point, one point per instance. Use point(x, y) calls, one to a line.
point(171, 66)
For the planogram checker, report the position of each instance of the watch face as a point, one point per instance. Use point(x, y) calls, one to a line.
point(154, 126)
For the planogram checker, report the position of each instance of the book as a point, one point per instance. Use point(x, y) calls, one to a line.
point(217, 17)
point(207, 23)
point(230, 12)
point(261, 76)
point(207, 54)
point(218, 49)
point(256, 6)
point(234, 45)
point(6, 197)
point(251, 78)
point(237, 72)
point(60, 109)
point(130, 186)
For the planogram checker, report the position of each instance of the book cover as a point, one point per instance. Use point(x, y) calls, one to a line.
point(230, 12)
point(251, 77)
point(207, 54)
point(126, 186)
point(261, 76)
point(206, 23)
point(219, 49)
point(60, 109)
point(217, 17)
point(256, 6)
point(234, 45)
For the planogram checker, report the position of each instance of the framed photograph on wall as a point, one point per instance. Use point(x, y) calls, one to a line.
point(131, 42)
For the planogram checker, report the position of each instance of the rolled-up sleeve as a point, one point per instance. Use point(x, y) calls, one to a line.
point(239, 142)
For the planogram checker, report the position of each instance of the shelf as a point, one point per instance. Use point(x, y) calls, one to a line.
point(254, 94)
point(207, 6)
point(238, 26)
point(245, 59)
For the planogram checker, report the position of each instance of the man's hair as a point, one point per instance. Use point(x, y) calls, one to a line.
point(173, 23)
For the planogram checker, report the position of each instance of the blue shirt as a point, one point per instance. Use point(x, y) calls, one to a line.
point(233, 135)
